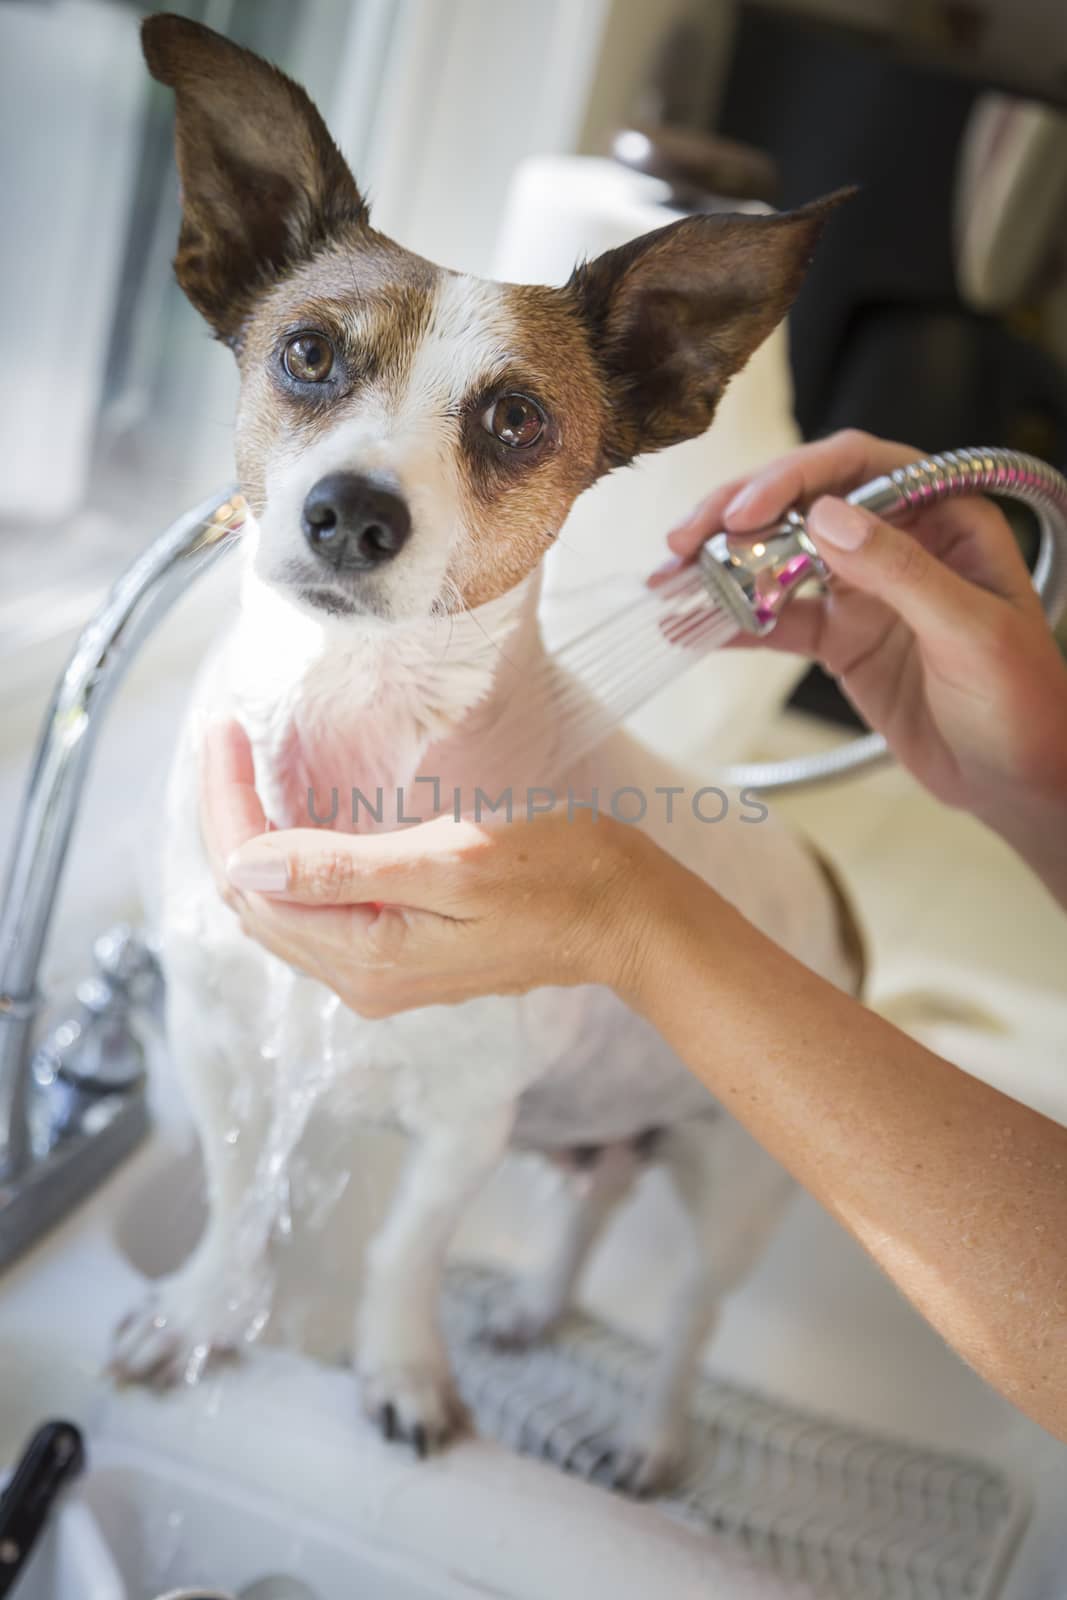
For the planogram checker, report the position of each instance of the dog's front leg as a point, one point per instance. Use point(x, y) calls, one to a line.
point(216, 1301)
point(400, 1353)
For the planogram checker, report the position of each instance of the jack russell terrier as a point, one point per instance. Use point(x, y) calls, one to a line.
point(410, 441)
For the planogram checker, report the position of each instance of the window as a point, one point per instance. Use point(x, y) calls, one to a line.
point(116, 405)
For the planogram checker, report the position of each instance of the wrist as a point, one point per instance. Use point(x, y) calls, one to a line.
point(675, 929)
point(1030, 814)
point(616, 945)
point(1035, 827)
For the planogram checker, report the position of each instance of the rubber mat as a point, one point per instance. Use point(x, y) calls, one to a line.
point(854, 1515)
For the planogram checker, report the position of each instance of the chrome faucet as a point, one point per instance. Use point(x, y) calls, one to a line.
point(73, 1106)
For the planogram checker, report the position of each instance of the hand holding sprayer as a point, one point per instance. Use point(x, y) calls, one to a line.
point(743, 583)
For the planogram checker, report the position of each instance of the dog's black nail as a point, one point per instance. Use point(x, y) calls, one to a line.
point(419, 1440)
point(388, 1420)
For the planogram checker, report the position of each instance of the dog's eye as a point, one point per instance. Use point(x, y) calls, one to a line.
point(308, 358)
point(514, 420)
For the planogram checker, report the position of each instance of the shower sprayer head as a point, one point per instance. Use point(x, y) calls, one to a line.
point(752, 576)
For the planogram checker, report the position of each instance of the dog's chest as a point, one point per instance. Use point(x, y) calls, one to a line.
point(345, 748)
point(363, 735)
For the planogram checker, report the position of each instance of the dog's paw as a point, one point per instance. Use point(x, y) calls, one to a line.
point(413, 1404)
point(181, 1328)
point(645, 1462)
point(162, 1346)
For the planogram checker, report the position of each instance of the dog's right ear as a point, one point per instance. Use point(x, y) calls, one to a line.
point(263, 184)
point(676, 313)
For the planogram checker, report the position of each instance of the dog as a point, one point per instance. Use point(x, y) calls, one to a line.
point(410, 441)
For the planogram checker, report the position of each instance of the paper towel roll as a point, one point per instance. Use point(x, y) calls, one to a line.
point(560, 210)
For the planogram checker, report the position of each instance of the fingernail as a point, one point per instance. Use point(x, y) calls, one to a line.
point(839, 523)
point(741, 502)
point(261, 874)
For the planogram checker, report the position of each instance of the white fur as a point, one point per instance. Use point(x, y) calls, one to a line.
point(409, 438)
point(368, 704)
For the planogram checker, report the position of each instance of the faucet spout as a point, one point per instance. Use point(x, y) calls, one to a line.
point(139, 600)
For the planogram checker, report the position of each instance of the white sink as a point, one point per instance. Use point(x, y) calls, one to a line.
point(169, 1527)
point(268, 1469)
point(139, 1526)
point(72, 1560)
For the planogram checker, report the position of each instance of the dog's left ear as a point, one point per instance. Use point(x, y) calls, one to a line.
point(263, 184)
point(675, 313)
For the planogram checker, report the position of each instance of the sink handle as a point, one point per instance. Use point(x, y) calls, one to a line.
point(97, 1049)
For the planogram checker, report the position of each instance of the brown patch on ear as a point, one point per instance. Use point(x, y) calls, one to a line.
point(263, 184)
point(673, 315)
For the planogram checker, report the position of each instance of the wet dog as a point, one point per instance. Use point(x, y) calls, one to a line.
point(410, 441)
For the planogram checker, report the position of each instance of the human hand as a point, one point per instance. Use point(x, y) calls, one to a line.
point(935, 633)
point(433, 914)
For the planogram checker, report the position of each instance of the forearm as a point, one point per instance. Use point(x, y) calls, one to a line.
point(958, 1193)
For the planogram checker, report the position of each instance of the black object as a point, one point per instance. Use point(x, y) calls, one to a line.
point(832, 109)
point(54, 1456)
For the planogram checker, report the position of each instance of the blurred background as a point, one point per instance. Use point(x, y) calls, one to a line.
point(936, 310)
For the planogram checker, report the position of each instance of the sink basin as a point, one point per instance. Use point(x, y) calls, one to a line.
point(267, 1470)
point(72, 1561)
point(171, 1527)
point(139, 1526)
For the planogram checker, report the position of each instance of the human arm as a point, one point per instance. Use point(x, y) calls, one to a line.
point(958, 1192)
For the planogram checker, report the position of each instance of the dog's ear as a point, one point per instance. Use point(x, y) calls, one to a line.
point(263, 184)
point(674, 314)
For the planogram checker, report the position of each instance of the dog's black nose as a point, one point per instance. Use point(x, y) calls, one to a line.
point(354, 524)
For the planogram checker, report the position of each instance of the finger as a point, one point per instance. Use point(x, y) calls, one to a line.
point(309, 938)
point(752, 501)
point(706, 518)
point(830, 466)
point(230, 808)
point(800, 631)
point(314, 867)
point(371, 958)
point(891, 565)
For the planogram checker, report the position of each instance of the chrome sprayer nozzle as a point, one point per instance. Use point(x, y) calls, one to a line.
point(752, 576)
